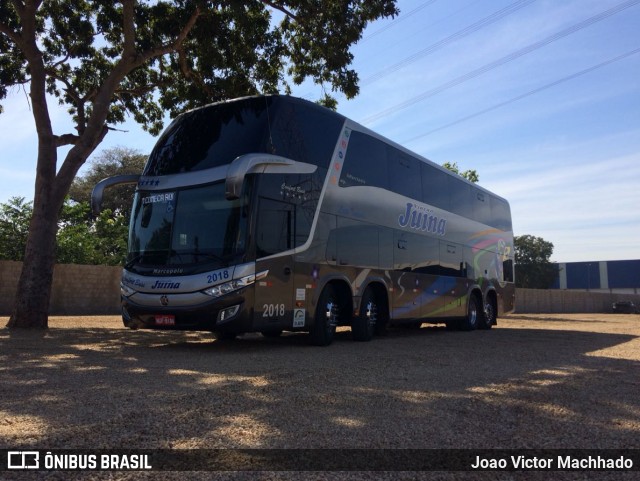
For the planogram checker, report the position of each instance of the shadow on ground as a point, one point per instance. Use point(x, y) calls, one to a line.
point(428, 388)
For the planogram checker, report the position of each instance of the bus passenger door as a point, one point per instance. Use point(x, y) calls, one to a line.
point(274, 243)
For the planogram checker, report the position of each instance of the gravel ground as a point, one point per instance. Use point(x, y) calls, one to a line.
point(545, 381)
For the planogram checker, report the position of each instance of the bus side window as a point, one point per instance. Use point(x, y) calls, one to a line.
point(404, 174)
point(461, 197)
point(435, 187)
point(366, 162)
point(507, 270)
point(500, 214)
point(481, 206)
point(275, 229)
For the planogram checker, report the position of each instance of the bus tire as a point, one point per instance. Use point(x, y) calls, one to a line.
point(364, 325)
point(488, 315)
point(382, 318)
point(326, 318)
point(473, 314)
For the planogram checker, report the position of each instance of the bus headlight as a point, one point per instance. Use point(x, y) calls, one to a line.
point(227, 287)
point(126, 291)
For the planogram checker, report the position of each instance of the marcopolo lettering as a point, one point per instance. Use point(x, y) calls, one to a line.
point(423, 219)
point(168, 271)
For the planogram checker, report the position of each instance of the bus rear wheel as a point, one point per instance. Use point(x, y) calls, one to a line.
point(364, 325)
point(488, 315)
point(326, 318)
point(470, 322)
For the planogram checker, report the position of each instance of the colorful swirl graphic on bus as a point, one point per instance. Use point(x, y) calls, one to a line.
point(488, 245)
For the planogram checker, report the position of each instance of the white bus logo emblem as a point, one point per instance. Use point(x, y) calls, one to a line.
point(23, 460)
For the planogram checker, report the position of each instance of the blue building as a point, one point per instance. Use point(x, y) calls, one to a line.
point(609, 276)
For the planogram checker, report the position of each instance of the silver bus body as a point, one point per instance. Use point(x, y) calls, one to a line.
point(328, 224)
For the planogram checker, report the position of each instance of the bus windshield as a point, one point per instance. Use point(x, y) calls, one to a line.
point(216, 134)
point(188, 226)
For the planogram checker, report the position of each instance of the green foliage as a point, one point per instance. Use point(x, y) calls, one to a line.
point(534, 270)
point(74, 237)
point(15, 217)
point(470, 175)
point(183, 54)
point(110, 162)
point(80, 240)
point(111, 233)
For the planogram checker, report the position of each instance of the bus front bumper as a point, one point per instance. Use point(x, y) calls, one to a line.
point(230, 313)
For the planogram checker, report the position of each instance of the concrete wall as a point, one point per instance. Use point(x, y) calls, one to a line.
point(85, 290)
point(76, 289)
point(9, 273)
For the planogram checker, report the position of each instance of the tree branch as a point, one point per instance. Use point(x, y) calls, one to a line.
point(281, 9)
point(96, 127)
point(172, 46)
point(189, 73)
point(29, 47)
point(65, 139)
point(19, 6)
point(15, 38)
point(13, 35)
point(145, 89)
point(78, 101)
point(128, 27)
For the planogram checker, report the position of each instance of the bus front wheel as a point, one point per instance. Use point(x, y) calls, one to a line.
point(326, 319)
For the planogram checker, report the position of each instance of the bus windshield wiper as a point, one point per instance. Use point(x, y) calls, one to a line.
point(207, 255)
point(136, 258)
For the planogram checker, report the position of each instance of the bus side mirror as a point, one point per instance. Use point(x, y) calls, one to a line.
point(98, 190)
point(265, 163)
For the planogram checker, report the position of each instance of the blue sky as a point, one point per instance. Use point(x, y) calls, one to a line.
point(541, 97)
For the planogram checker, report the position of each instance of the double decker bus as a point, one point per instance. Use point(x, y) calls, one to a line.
point(271, 213)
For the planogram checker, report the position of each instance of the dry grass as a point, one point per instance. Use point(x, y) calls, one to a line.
point(535, 381)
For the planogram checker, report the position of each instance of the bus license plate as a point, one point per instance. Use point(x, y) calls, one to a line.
point(165, 320)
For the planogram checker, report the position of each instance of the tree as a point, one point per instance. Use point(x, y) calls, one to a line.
point(80, 238)
point(15, 216)
point(110, 233)
point(110, 162)
point(534, 270)
point(107, 60)
point(470, 175)
point(84, 240)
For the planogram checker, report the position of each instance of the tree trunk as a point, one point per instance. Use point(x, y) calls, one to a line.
point(31, 308)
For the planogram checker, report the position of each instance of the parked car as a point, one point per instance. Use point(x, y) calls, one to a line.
point(625, 307)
